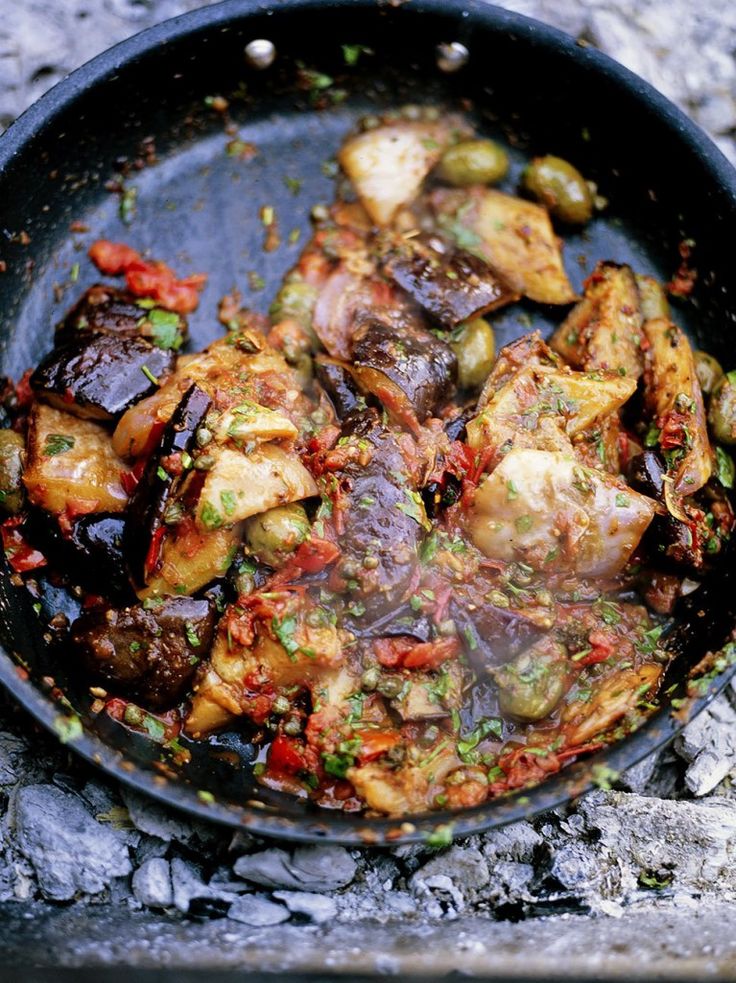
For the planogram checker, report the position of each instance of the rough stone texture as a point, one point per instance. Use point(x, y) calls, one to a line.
point(658, 859)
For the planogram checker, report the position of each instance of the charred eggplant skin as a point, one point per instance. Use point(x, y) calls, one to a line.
point(145, 525)
point(422, 366)
point(100, 376)
point(338, 383)
point(451, 285)
point(376, 521)
point(108, 310)
point(150, 654)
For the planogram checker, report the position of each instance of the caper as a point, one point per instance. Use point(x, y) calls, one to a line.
point(430, 735)
point(370, 679)
point(722, 410)
point(532, 685)
point(475, 348)
point(205, 462)
point(296, 299)
point(561, 187)
point(245, 583)
point(390, 686)
point(280, 705)
point(203, 437)
point(293, 726)
point(12, 447)
point(473, 162)
point(708, 370)
point(652, 298)
point(272, 535)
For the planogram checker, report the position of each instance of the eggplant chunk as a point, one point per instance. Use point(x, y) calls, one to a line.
point(159, 483)
point(546, 510)
point(405, 366)
point(451, 285)
point(151, 654)
point(515, 237)
point(98, 551)
point(673, 397)
point(190, 559)
point(108, 310)
point(337, 382)
point(71, 463)
point(101, 376)
point(604, 331)
point(387, 165)
point(383, 517)
point(240, 485)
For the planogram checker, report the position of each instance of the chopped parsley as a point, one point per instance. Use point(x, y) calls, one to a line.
point(165, 329)
point(57, 443)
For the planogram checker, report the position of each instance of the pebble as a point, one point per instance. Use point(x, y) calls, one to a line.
point(70, 852)
point(152, 883)
point(315, 868)
point(257, 910)
point(315, 906)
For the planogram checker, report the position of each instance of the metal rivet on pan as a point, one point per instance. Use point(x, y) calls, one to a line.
point(260, 53)
point(451, 57)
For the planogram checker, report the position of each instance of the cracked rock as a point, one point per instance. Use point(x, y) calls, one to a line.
point(69, 851)
point(315, 906)
point(465, 866)
point(257, 910)
point(152, 883)
point(316, 868)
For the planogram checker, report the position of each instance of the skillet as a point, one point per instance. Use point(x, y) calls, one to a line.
point(198, 208)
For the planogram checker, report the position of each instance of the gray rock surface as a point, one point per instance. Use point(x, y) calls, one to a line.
point(321, 868)
point(69, 851)
point(316, 907)
point(152, 883)
point(258, 911)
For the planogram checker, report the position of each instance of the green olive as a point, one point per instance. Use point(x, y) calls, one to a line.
point(532, 685)
point(722, 410)
point(473, 162)
point(475, 348)
point(296, 299)
point(652, 298)
point(708, 370)
point(272, 535)
point(12, 450)
point(561, 187)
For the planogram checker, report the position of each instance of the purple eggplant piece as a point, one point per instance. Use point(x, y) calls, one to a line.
point(100, 376)
point(451, 285)
point(491, 635)
point(415, 362)
point(149, 653)
point(337, 382)
point(381, 520)
point(108, 310)
point(158, 486)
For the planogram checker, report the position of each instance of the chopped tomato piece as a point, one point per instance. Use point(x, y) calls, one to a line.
point(148, 278)
point(407, 652)
point(113, 258)
point(374, 743)
point(20, 555)
point(286, 755)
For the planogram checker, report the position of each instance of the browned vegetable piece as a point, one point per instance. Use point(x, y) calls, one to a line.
point(100, 376)
point(515, 237)
point(404, 365)
point(12, 456)
point(604, 331)
point(191, 558)
point(149, 653)
point(674, 399)
point(532, 684)
point(613, 697)
point(103, 309)
point(337, 381)
point(71, 464)
point(450, 284)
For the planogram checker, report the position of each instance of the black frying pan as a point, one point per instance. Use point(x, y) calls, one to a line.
point(198, 208)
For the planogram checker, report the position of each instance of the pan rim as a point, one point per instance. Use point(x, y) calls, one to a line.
point(324, 826)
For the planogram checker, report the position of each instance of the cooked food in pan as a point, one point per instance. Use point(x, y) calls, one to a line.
point(415, 571)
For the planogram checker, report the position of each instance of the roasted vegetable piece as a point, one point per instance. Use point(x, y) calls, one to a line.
point(722, 410)
point(101, 376)
point(383, 517)
point(451, 285)
point(274, 534)
point(107, 310)
point(652, 298)
point(99, 556)
point(191, 559)
point(604, 331)
point(709, 372)
point(405, 366)
point(674, 399)
point(560, 187)
point(543, 508)
point(474, 348)
point(337, 381)
point(532, 685)
point(514, 236)
point(240, 485)
point(159, 483)
point(149, 653)
point(612, 698)
point(387, 165)
point(12, 456)
point(71, 466)
point(473, 162)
